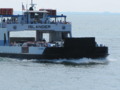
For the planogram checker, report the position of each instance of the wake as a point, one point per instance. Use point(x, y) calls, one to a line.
point(83, 61)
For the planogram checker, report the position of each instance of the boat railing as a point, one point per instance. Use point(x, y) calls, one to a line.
point(32, 21)
point(50, 22)
point(38, 44)
point(101, 45)
point(3, 25)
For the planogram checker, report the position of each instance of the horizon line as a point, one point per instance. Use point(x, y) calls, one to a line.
point(78, 12)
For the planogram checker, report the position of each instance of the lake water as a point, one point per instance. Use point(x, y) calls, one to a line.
point(82, 74)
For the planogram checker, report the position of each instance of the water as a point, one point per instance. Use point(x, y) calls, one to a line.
point(82, 74)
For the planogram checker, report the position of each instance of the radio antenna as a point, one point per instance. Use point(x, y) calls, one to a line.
point(32, 5)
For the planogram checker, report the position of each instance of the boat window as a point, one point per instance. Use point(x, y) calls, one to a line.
point(36, 15)
point(40, 15)
point(32, 15)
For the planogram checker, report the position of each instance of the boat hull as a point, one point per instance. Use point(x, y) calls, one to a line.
point(74, 48)
point(51, 57)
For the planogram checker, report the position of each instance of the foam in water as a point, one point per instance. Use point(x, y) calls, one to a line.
point(74, 61)
point(62, 61)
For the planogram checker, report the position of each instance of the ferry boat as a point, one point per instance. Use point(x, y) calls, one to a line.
point(61, 44)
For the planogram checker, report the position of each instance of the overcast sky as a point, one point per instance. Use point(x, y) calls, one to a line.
point(67, 5)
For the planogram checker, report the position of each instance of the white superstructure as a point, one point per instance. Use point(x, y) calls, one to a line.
point(40, 21)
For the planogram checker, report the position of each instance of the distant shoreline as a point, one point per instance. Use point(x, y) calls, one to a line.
point(91, 13)
point(82, 13)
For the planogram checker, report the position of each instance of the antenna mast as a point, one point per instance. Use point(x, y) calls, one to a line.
point(32, 5)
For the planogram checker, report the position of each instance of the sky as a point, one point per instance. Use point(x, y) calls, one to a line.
point(67, 5)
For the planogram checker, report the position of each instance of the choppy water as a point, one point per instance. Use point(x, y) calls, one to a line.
point(82, 74)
